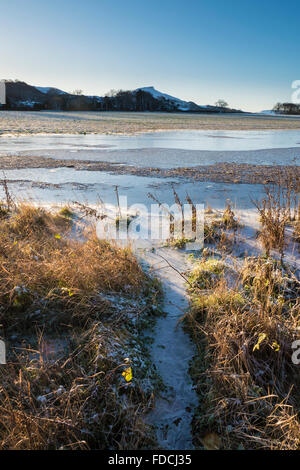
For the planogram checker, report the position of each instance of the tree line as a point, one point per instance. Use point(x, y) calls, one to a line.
point(287, 108)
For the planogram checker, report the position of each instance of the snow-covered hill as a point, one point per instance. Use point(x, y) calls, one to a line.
point(178, 103)
point(46, 90)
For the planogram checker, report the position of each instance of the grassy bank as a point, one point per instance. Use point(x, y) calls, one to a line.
point(248, 384)
point(244, 318)
point(78, 374)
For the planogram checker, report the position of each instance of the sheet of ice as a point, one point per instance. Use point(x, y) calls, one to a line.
point(183, 139)
point(164, 149)
point(67, 184)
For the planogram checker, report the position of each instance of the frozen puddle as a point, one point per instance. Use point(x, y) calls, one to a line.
point(172, 351)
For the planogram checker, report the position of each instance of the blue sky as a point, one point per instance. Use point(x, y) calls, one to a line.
point(244, 51)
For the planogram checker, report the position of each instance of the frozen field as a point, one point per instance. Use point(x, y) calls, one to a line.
point(173, 149)
point(18, 122)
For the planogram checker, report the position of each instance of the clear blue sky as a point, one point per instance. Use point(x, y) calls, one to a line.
point(244, 51)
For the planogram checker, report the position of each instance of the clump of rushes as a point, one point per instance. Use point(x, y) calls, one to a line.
point(124, 221)
point(297, 227)
point(4, 211)
point(247, 382)
point(34, 222)
point(215, 224)
point(212, 231)
point(67, 212)
point(274, 215)
point(268, 281)
point(179, 243)
point(206, 273)
point(280, 207)
point(95, 298)
point(229, 219)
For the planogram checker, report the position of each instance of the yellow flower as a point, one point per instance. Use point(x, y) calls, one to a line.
point(275, 346)
point(58, 237)
point(261, 337)
point(127, 374)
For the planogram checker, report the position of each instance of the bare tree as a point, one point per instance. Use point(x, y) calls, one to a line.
point(111, 93)
point(221, 104)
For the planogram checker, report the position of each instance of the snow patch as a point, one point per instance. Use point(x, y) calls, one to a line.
point(46, 90)
point(28, 103)
point(158, 94)
point(268, 111)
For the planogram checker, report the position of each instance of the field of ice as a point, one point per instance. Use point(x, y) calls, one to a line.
point(164, 149)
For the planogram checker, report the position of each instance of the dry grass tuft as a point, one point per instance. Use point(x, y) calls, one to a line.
point(246, 380)
point(277, 209)
point(92, 298)
point(221, 228)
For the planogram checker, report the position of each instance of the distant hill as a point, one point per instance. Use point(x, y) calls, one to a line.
point(22, 96)
point(176, 102)
point(180, 105)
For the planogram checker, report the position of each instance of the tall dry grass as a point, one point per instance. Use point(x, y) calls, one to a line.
point(247, 383)
point(56, 289)
point(279, 207)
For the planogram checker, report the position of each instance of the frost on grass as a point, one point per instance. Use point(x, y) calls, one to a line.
point(72, 313)
point(244, 319)
point(247, 383)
